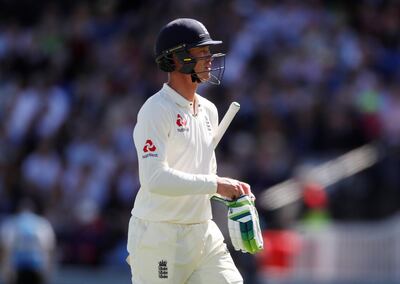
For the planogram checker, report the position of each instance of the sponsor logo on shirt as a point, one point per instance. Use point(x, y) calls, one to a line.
point(148, 148)
point(181, 122)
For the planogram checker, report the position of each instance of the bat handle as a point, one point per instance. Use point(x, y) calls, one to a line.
point(225, 122)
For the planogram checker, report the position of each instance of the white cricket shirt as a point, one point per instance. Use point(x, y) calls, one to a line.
point(177, 166)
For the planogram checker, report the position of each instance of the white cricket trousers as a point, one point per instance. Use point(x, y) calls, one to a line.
point(169, 253)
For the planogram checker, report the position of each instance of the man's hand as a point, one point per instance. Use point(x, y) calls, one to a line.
point(247, 190)
point(232, 188)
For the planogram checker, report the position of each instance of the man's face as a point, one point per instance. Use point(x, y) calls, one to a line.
point(203, 58)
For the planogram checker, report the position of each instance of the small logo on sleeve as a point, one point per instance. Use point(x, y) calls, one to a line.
point(162, 269)
point(149, 148)
point(181, 122)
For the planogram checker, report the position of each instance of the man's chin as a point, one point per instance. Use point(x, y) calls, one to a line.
point(205, 76)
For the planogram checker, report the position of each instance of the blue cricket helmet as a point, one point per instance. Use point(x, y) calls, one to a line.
point(177, 37)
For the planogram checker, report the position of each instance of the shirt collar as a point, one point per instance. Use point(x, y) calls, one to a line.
point(177, 98)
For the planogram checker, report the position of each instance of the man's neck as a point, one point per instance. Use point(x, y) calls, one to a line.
point(183, 86)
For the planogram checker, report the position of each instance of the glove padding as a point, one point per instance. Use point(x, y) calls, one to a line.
point(243, 224)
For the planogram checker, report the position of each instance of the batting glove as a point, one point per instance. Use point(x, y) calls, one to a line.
point(243, 224)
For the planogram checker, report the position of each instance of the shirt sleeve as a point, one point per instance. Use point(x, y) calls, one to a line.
point(151, 135)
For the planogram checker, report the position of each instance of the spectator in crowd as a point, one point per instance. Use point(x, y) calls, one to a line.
point(27, 242)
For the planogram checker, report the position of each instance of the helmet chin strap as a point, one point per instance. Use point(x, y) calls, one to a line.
point(195, 78)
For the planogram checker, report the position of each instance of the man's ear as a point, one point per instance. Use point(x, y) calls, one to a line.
point(177, 63)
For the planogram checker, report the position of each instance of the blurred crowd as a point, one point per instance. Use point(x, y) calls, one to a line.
point(314, 79)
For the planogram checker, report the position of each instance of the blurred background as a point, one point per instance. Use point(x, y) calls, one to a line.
point(315, 79)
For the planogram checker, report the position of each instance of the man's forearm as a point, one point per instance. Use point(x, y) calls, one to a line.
point(171, 182)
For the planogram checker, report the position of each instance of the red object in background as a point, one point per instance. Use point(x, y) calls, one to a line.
point(372, 125)
point(314, 196)
point(280, 249)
